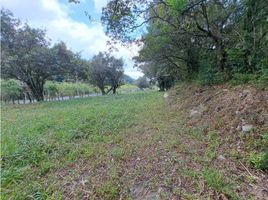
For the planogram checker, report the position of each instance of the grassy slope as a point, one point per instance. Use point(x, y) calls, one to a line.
point(130, 146)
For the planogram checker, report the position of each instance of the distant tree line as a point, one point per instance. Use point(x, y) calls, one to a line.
point(28, 57)
point(16, 92)
point(212, 41)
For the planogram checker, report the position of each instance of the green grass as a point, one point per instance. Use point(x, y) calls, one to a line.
point(41, 138)
point(105, 147)
point(215, 180)
point(214, 142)
point(127, 88)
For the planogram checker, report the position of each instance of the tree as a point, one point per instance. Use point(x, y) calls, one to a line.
point(142, 82)
point(105, 70)
point(114, 73)
point(26, 55)
point(96, 72)
point(251, 51)
point(185, 38)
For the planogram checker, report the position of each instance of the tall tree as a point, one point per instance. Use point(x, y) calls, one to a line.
point(106, 71)
point(181, 35)
point(114, 73)
point(26, 55)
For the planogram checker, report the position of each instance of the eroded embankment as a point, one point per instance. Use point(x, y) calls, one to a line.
point(235, 122)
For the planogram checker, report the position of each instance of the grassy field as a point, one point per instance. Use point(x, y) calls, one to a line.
point(41, 138)
point(126, 146)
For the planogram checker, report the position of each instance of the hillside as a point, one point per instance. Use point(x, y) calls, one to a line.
point(128, 80)
point(190, 144)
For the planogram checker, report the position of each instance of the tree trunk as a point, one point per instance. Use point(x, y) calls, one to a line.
point(222, 55)
point(223, 59)
point(114, 90)
point(29, 97)
point(102, 91)
point(38, 93)
point(37, 88)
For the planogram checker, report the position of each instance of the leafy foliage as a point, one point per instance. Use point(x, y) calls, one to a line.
point(27, 57)
point(67, 89)
point(184, 37)
point(10, 89)
point(105, 70)
point(142, 82)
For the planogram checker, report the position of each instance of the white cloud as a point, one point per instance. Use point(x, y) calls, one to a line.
point(55, 18)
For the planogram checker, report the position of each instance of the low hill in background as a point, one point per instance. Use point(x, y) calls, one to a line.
point(128, 79)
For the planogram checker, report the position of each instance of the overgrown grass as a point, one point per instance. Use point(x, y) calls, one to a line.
point(37, 139)
point(103, 147)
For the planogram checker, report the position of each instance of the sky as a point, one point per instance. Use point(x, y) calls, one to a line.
point(68, 22)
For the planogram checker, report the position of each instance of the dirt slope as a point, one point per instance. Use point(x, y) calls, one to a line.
point(239, 117)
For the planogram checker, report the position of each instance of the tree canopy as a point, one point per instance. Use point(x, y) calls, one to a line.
point(106, 71)
point(28, 56)
point(209, 40)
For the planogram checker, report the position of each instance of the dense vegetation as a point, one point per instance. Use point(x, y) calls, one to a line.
point(16, 92)
point(212, 41)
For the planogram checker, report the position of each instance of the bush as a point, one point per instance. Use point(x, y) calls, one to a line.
point(51, 89)
point(211, 76)
point(242, 78)
point(54, 89)
point(10, 89)
point(142, 82)
point(263, 76)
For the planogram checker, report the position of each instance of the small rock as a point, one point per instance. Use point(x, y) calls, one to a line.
point(165, 95)
point(247, 128)
point(221, 157)
point(195, 113)
point(238, 128)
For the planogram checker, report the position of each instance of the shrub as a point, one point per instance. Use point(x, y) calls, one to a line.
point(10, 89)
point(211, 76)
point(242, 78)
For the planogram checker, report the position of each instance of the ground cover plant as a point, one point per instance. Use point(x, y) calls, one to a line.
point(129, 146)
